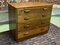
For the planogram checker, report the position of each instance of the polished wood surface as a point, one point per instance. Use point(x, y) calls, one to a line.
point(28, 18)
point(28, 4)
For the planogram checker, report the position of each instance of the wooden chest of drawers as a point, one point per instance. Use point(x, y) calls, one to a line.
point(29, 19)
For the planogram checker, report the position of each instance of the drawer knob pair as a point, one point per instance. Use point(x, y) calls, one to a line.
point(26, 11)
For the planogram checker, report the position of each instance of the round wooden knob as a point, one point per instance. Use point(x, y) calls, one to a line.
point(44, 8)
point(26, 11)
point(26, 33)
point(26, 18)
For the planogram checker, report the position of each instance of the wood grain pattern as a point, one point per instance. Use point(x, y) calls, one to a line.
point(25, 34)
point(28, 4)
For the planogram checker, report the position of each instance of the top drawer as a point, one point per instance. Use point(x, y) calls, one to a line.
point(29, 10)
point(34, 10)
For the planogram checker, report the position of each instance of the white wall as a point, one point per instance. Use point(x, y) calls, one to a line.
point(56, 9)
point(3, 17)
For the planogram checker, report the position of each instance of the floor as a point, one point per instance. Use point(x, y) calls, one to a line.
point(50, 38)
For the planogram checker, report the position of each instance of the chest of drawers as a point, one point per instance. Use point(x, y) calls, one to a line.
point(29, 19)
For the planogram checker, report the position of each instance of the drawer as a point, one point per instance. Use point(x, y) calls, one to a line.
point(25, 18)
point(29, 25)
point(45, 22)
point(30, 32)
point(28, 10)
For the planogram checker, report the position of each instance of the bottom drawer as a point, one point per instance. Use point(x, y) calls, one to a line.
point(32, 32)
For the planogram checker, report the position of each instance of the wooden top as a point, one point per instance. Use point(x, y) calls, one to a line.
point(28, 4)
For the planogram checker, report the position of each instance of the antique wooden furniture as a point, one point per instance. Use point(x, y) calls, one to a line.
point(29, 19)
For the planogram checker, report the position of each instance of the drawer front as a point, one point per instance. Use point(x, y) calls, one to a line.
point(28, 10)
point(30, 32)
point(29, 25)
point(34, 10)
point(24, 19)
point(45, 22)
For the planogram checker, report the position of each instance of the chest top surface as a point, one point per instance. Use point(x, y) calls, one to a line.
point(28, 4)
